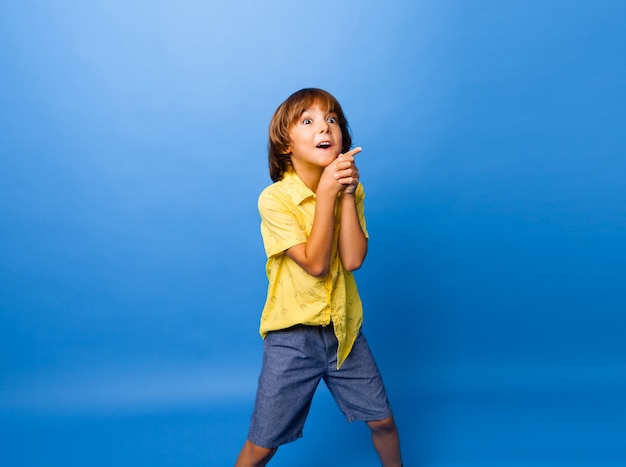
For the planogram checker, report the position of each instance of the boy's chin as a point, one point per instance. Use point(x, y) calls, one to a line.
point(331, 158)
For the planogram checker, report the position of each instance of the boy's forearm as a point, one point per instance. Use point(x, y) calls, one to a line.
point(352, 241)
point(320, 242)
point(314, 255)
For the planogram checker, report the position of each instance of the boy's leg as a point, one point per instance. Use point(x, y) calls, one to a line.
point(252, 455)
point(386, 441)
point(291, 372)
point(359, 391)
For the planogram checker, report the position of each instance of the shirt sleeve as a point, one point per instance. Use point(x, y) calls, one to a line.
point(280, 228)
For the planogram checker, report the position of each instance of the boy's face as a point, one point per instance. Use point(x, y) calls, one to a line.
point(315, 138)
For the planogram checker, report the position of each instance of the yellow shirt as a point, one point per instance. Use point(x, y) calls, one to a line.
point(294, 296)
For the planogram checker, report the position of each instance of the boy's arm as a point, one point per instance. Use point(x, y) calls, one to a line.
point(314, 255)
point(352, 240)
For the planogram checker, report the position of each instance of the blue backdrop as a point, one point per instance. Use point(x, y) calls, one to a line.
point(132, 149)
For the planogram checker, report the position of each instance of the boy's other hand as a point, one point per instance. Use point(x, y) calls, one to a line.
point(346, 172)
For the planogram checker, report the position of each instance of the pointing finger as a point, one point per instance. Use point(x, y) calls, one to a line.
point(349, 156)
point(353, 152)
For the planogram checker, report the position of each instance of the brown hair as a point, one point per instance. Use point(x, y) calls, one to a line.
point(285, 117)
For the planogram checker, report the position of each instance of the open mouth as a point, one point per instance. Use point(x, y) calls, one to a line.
point(323, 145)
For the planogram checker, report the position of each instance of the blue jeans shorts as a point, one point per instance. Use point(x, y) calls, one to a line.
point(294, 362)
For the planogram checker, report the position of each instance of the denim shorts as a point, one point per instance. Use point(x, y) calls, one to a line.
point(294, 362)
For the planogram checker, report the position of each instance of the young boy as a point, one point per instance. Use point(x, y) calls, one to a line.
point(314, 235)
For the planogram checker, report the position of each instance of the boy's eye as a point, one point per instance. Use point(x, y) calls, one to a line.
point(307, 121)
point(331, 119)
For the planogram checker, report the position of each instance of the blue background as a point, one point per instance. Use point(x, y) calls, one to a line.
point(132, 146)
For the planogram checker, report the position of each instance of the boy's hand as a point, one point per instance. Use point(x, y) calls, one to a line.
point(346, 172)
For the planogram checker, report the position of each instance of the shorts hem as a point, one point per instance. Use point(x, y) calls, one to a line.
point(275, 444)
point(369, 418)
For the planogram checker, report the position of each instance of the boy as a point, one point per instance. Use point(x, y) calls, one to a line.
point(314, 235)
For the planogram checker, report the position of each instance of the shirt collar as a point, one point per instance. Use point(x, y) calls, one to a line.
point(296, 188)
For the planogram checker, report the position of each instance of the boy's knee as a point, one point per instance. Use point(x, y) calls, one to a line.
point(253, 455)
point(387, 425)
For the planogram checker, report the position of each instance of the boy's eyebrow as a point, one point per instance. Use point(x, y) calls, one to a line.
point(309, 109)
